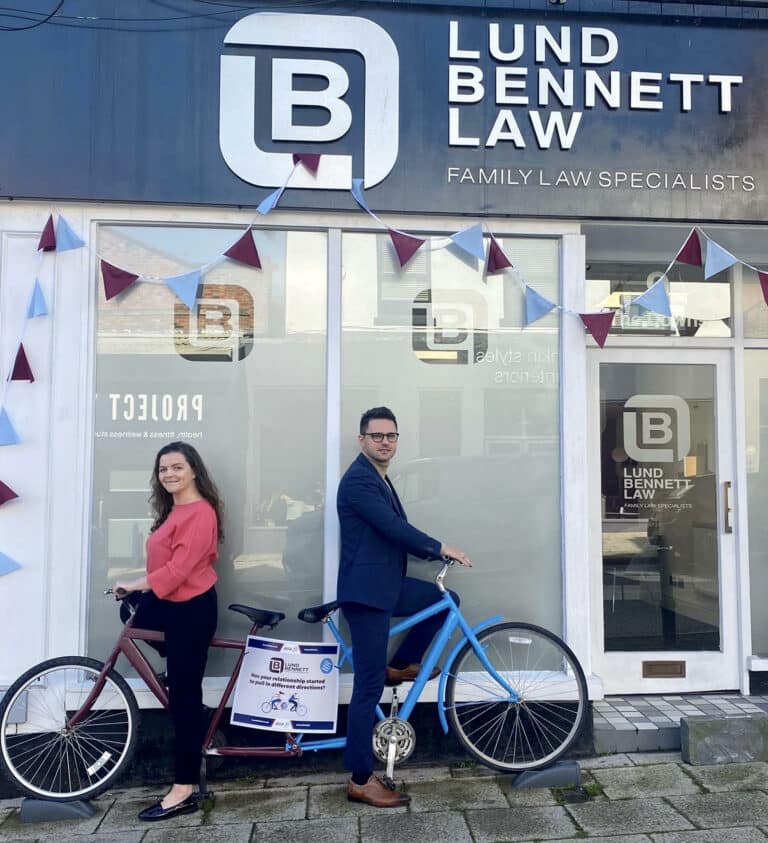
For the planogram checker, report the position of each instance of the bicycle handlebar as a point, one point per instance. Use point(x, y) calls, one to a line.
point(447, 561)
point(119, 593)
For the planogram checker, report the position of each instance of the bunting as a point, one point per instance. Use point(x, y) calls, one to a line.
point(244, 251)
point(598, 324)
point(115, 279)
point(536, 305)
point(717, 259)
point(6, 493)
point(406, 245)
point(310, 160)
point(470, 240)
point(8, 435)
point(655, 298)
point(185, 286)
point(66, 239)
point(22, 371)
point(7, 565)
point(497, 260)
point(37, 305)
point(763, 279)
point(48, 237)
point(691, 251)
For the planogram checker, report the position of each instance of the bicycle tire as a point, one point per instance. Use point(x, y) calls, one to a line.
point(40, 756)
point(537, 729)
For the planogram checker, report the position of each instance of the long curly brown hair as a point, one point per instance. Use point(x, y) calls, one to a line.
point(162, 501)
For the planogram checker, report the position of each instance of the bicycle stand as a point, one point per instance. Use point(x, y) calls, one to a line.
point(46, 811)
point(560, 774)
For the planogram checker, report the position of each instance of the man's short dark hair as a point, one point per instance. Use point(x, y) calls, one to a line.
point(376, 413)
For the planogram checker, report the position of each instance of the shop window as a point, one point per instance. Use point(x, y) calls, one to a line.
point(242, 378)
point(477, 402)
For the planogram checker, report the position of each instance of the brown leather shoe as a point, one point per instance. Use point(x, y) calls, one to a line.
point(395, 675)
point(376, 792)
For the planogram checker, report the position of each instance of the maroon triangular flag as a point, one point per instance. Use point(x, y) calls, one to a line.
point(497, 260)
point(48, 237)
point(763, 277)
point(115, 279)
point(598, 324)
point(244, 251)
point(6, 493)
point(311, 160)
point(691, 251)
point(22, 371)
point(406, 245)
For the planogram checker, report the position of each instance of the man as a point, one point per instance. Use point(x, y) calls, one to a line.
point(372, 588)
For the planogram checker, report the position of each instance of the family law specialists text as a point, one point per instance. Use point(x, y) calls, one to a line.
point(514, 84)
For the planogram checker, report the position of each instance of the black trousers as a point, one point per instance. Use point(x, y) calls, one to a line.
point(369, 632)
point(188, 628)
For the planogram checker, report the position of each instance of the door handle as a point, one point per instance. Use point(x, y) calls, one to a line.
point(727, 510)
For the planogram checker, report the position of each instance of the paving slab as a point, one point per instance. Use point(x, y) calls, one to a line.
point(474, 771)
point(618, 759)
point(428, 774)
point(308, 831)
point(306, 780)
point(331, 801)
point(123, 815)
point(530, 797)
point(112, 837)
point(13, 829)
point(407, 828)
point(235, 833)
point(632, 838)
point(720, 777)
point(643, 758)
point(644, 782)
point(242, 806)
point(464, 794)
point(710, 810)
point(628, 816)
point(499, 825)
point(721, 835)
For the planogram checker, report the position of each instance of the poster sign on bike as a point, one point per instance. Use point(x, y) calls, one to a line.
point(287, 686)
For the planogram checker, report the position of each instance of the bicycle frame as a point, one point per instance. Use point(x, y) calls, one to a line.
point(454, 620)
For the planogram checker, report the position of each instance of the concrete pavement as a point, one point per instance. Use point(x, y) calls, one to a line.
point(624, 798)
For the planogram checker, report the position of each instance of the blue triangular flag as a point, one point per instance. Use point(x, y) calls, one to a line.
point(185, 286)
point(268, 203)
point(471, 241)
point(66, 239)
point(357, 192)
point(717, 259)
point(8, 435)
point(655, 298)
point(7, 565)
point(37, 302)
point(536, 305)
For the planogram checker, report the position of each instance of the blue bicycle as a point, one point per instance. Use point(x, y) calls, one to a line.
point(513, 693)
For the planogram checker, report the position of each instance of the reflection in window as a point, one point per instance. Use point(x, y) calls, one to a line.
point(242, 378)
point(477, 402)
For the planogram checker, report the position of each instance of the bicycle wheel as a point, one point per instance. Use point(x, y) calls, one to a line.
point(532, 731)
point(45, 759)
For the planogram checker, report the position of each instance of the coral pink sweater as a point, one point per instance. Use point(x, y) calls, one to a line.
point(182, 551)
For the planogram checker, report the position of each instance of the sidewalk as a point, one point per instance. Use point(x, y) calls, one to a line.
point(630, 798)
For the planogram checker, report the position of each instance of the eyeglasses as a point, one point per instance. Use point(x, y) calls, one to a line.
point(380, 437)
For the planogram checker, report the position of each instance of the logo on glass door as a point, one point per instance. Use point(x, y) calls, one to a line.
point(219, 328)
point(451, 330)
point(657, 428)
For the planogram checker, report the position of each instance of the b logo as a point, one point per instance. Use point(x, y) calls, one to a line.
point(237, 117)
point(276, 665)
point(219, 329)
point(449, 326)
point(664, 420)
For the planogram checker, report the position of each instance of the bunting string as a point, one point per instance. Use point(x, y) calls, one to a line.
point(477, 241)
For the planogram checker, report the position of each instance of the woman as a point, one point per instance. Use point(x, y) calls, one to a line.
point(179, 598)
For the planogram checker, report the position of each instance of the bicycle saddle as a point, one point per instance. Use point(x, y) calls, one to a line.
point(260, 617)
point(313, 614)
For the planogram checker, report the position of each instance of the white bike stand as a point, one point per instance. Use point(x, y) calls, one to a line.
point(560, 774)
point(46, 811)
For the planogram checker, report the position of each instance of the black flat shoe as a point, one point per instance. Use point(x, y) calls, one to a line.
point(157, 812)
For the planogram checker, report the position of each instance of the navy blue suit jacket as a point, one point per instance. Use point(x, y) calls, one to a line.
point(376, 538)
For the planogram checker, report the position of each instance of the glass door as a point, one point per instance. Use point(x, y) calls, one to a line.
point(662, 545)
